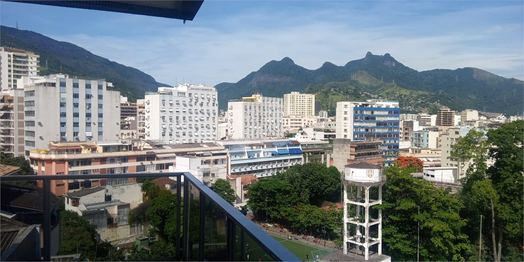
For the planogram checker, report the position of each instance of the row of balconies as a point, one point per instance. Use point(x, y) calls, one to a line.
point(265, 166)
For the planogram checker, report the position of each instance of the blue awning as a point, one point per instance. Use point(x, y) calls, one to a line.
point(250, 154)
point(295, 151)
point(283, 151)
point(274, 153)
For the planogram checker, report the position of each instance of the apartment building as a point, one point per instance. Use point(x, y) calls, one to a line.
point(469, 115)
point(255, 117)
point(292, 124)
point(299, 105)
point(407, 127)
point(60, 108)
point(184, 114)
point(141, 118)
point(427, 120)
point(445, 117)
point(115, 157)
point(424, 139)
point(12, 122)
point(371, 121)
point(262, 158)
point(447, 140)
point(14, 64)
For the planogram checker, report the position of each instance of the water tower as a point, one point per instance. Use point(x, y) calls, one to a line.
point(362, 223)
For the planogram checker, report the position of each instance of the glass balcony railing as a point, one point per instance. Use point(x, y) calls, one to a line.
point(199, 224)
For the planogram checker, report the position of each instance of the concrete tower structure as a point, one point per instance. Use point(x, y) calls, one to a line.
point(362, 223)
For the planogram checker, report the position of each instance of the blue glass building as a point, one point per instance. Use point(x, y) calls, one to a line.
point(374, 120)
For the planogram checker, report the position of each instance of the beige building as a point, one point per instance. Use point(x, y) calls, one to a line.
point(15, 63)
point(447, 140)
point(12, 122)
point(299, 105)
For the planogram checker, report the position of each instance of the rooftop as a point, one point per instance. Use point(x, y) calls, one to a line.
point(363, 165)
point(6, 170)
point(84, 192)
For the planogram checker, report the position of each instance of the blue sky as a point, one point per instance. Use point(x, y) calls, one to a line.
point(229, 39)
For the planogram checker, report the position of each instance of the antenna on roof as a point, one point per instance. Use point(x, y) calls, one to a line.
point(16, 24)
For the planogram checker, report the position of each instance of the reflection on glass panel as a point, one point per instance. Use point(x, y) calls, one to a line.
point(215, 232)
point(253, 252)
point(194, 221)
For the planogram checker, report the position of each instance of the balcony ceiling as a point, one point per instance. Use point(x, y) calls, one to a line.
point(177, 9)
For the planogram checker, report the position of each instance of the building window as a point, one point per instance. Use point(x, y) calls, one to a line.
point(76, 95)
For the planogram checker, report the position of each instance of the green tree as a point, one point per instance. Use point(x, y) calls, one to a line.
point(162, 215)
point(272, 197)
point(77, 235)
point(507, 178)
point(495, 193)
point(223, 189)
point(23, 164)
point(409, 204)
point(314, 182)
point(470, 150)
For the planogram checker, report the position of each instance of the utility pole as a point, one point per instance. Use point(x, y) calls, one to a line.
point(480, 240)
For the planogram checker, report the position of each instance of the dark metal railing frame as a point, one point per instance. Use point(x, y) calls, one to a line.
point(233, 216)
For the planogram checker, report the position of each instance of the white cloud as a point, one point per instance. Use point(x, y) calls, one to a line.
point(215, 50)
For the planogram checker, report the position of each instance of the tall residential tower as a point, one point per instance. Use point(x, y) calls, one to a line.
point(14, 64)
point(255, 117)
point(60, 108)
point(184, 114)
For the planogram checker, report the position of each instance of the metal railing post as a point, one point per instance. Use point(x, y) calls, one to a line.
point(47, 221)
point(202, 227)
point(178, 215)
point(185, 227)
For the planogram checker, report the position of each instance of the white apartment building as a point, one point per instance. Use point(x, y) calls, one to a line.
point(12, 122)
point(374, 120)
point(299, 105)
point(255, 117)
point(184, 114)
point(60, 108)
point(14, 64)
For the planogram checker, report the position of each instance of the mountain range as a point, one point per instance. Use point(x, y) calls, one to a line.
point(383, 77)
point(374, 76)
point(67, 58)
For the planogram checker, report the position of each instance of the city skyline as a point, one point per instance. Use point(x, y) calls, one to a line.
point(229, 39)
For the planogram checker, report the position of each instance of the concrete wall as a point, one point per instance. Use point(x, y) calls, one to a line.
point(341, 153)
point(441, 174)
point(127, 193)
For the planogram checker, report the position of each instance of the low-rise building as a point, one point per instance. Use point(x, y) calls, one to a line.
point(115, 157)
point(262, 158)
point(107, 208)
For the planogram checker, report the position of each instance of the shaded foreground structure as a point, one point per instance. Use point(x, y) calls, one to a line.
point(209, 228)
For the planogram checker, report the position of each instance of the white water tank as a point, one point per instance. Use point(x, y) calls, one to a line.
point(363, 172)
